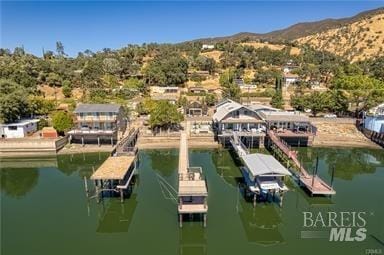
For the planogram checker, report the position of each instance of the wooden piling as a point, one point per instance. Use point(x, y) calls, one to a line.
point(121, 196)
point(86, 187)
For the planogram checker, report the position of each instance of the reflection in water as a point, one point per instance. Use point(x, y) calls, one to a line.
point(227, 167)
point(81, 163)
point(347, 162)
point(50, 161)
point(18, 182)
point(261, 224)
point(163, 161)
point(114, 216)
point(193, 240)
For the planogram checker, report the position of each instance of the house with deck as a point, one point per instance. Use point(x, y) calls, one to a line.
point(231, 116)
point(98, 123)
point(294, 128)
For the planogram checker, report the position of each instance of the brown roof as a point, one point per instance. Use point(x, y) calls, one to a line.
point(114, 168)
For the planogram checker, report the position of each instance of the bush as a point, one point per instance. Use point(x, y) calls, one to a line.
point(42, 123)
point(62, 122)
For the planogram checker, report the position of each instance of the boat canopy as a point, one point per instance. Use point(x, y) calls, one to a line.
point(264, 165)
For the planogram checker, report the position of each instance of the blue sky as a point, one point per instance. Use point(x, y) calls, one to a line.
point(98, 24)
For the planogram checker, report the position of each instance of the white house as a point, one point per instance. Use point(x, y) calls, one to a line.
point(207, 47)
point(19, 129)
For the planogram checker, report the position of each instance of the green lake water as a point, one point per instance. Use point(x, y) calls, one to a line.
point(44, 209)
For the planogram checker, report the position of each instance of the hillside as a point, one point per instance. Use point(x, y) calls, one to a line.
point(356, 41)
point(296, 31)
point(354, 38)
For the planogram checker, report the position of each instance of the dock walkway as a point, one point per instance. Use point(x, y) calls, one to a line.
point(312, 182)
point(192, 191)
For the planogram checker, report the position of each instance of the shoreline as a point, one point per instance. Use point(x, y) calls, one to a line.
point(170, 145)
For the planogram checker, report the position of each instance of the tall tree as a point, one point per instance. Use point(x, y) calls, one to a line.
point(13, 101)
point(60, 49)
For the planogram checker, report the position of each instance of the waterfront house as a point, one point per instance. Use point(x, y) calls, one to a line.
point(96, 123)
point(374, 119)
point(19, 129)
point(231, 116)
point(295, 128)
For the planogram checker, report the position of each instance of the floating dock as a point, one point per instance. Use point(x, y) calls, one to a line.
point(192, 191)
point(314, 184)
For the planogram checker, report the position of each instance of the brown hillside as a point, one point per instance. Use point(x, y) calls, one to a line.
point(356, 41)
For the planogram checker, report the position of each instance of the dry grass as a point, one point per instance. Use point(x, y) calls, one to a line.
point(357, 41)
point(294, 50)
point(215, 54)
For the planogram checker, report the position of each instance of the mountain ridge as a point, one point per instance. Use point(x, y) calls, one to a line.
point(295, 31)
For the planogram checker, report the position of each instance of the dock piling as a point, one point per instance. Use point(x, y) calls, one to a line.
point(86, 187)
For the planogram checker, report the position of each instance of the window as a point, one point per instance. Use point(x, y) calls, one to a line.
point(12, 127)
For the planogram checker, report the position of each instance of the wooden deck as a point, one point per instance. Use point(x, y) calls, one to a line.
point(193, 208)
point(114, 168)
point(315, 185)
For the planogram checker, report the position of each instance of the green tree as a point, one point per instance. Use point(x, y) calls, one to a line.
point(361, 90)
point(167, 69)
point(165, 115)
point(67, 88)
point(277, 100)
point(338, 102)
point(13, 101)
point(37, 105)
point(60, 49)
point(210, 99)
point(62, 121)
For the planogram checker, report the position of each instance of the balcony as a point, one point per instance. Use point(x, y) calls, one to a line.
point(94, 118)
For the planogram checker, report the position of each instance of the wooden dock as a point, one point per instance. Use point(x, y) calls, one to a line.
point(117, 171)
point(314, 184)
point(192, 191)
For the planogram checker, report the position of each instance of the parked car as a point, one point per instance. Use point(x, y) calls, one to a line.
point(330, 115)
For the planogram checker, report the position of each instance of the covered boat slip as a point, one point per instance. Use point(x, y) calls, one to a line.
point(115, 174)
point(263, 175)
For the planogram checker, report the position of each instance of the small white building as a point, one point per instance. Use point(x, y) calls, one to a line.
point(207, 47)
point(19, 129)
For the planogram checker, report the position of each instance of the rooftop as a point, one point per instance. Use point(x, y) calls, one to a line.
point(22, 122)
point(284, 116)
point(97, 108)
point(225, 107)
point(262, 164)
point(114, 168)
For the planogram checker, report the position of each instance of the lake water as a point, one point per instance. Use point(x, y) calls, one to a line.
point(44, 209)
